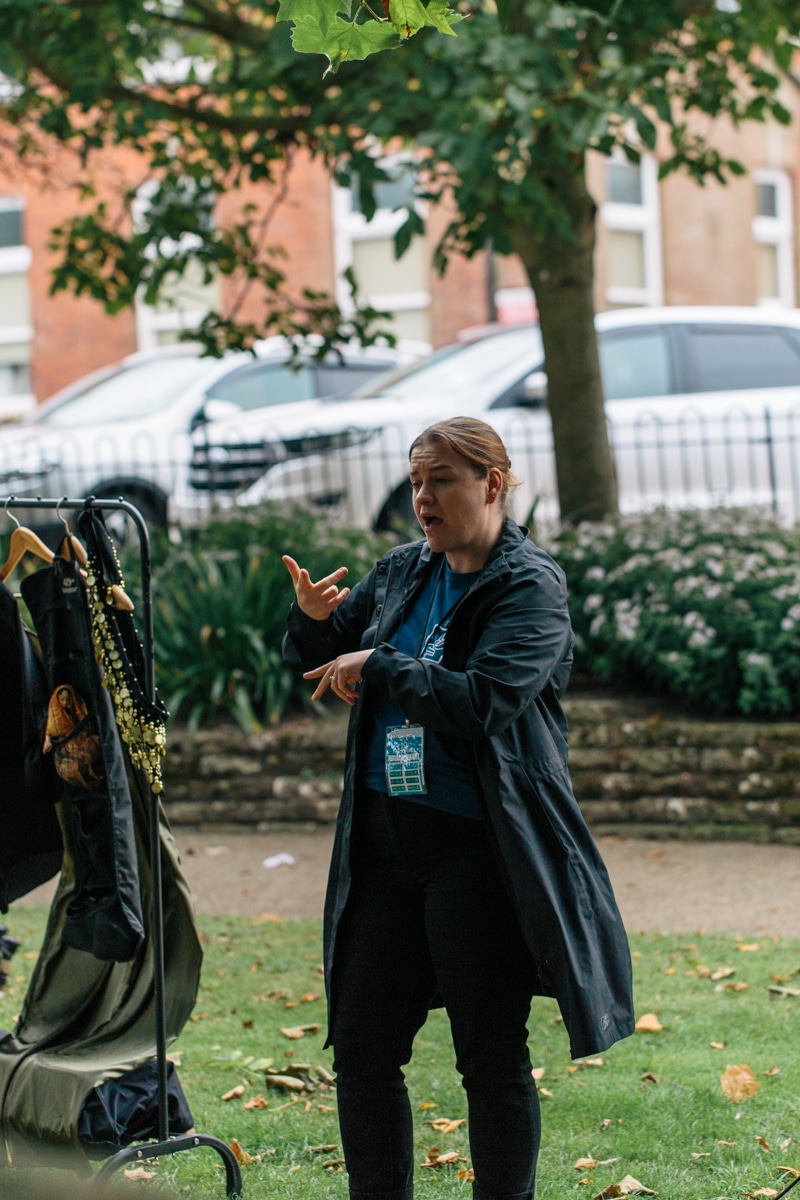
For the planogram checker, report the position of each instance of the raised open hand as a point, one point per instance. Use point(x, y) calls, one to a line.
point(316, 600)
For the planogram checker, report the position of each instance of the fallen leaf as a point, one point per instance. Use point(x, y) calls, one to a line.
point(722, 973)
point(737, 987)
point(309, 997)
point(241, 1155)
point(289, 1083)
point(538, 1073)
point(428, 1104)
point(139, 1174)
point(793, 1171)
point(761, 1192)
point(438, 1158)
point(649, 1077)
point(335, 1164)
point(783, 991)
point(763, 1144)
point(234, 1093)
point(707, 1154)
point(300, 1031)
point(717, 1045)
point(443, 1125)
point(626, 1187)
point(721, 1143)
point(256, 1102)
point(585, 1164)
point(466, 1175)
point(648, 1023)
point(748, 947)
point(328, 1149)
point(543, 1091)
point(739, 1083)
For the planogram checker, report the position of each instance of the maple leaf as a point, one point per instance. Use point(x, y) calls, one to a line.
point(739, 1083)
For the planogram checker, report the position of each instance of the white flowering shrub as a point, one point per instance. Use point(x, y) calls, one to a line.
point(703, 605)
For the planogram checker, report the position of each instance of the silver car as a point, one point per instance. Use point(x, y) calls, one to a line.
point(703, 406)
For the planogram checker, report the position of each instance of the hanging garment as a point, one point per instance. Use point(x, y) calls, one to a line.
point(105, 915)
point(89, 1022)
point(125, 1110)
point(31, 845)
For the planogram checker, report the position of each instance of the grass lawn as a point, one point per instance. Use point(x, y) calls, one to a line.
point(652, 1107)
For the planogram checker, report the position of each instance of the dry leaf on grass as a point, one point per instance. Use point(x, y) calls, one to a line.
point(466, 1175)
point(427, 1104)
point(648, 1023)
point(649, 1077)
point(139, 1175)
point(442, 1158)
point(748, 947)
point(763, 1144)
point(444, 1125)
point(718, 1045)
point(626, 1187)
point(241, 1155)
point(585, 1164)
point(722, 973)
point(234, 1093)
point(762, 1192)
point(300, 1031)
point(256, 1102)
point(783, 991)
point(738, 1082)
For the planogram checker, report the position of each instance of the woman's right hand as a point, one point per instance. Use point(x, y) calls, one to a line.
point(316, 600)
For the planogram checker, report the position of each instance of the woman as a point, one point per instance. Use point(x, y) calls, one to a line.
point(462, 870)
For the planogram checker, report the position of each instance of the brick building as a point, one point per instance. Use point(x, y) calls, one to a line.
point(668, 241)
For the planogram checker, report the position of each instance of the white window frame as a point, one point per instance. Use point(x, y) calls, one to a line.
point(351, 226)
point(14, 259)
point(778, 231)
point(644, 218)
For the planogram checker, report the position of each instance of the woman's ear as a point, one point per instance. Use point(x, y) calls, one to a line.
point(494, 484)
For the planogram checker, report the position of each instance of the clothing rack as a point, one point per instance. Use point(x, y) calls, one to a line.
point(189, 1141)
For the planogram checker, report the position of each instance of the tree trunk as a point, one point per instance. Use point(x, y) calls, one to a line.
point(560, 266)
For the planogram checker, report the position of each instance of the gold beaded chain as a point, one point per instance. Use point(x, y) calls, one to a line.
point(141, 722)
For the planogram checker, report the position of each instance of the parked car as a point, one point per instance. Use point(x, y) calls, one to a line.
point(126, 430)
point(703, 406)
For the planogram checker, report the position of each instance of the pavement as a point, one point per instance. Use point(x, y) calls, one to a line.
point(668, 886)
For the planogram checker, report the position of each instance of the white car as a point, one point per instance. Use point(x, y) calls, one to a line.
point(703, 407)
point(126, 430)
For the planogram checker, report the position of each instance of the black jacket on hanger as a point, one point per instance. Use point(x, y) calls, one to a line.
point(31, 845)
point(105, 915)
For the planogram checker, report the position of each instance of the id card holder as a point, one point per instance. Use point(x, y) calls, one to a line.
point(404, 760)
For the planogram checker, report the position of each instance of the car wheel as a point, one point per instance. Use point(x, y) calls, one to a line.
point(397, 514)
point(150, 503)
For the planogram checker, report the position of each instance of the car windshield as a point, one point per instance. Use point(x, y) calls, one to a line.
point(135, 391)
point(461, 369)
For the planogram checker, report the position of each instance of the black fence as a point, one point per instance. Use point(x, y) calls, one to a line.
point(688, 457)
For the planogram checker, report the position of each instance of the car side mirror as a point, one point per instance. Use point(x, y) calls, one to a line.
point(534, 390)
point(215, 410)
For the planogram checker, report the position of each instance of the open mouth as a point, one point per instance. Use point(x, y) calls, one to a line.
point(429, 522)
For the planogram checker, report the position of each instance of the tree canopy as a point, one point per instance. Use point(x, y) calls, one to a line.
point(214, 94)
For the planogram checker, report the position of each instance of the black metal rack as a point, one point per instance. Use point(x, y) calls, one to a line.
point(165, 1144)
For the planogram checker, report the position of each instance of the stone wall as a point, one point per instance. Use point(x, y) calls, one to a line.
point(637, 770)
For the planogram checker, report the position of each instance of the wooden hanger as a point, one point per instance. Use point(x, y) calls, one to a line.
point(22, 542)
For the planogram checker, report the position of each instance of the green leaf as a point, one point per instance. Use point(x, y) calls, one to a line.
point(343, 41)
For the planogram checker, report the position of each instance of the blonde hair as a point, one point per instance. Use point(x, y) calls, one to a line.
point(478, 443)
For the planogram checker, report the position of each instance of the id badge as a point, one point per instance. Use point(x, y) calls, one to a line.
point(405, 771)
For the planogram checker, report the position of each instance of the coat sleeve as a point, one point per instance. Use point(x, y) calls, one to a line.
point(308, 644)
point(523, 640)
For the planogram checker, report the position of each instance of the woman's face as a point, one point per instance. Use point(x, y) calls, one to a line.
point(460, 514)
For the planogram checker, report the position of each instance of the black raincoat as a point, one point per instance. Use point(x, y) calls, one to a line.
point(495, 697)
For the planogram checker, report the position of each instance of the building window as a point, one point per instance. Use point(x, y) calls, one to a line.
point(398, 286)
point(16, 330)
point(632, 220)
point(773, 231)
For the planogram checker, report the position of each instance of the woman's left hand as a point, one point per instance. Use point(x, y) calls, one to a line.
point(341, 675)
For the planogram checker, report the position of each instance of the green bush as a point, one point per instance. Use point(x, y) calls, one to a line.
point(704, 606)
point(220, 598)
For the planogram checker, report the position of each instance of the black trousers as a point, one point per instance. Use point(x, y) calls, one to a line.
point(428, 911)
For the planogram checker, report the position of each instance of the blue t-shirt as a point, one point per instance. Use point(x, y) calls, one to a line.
point(449, 776)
